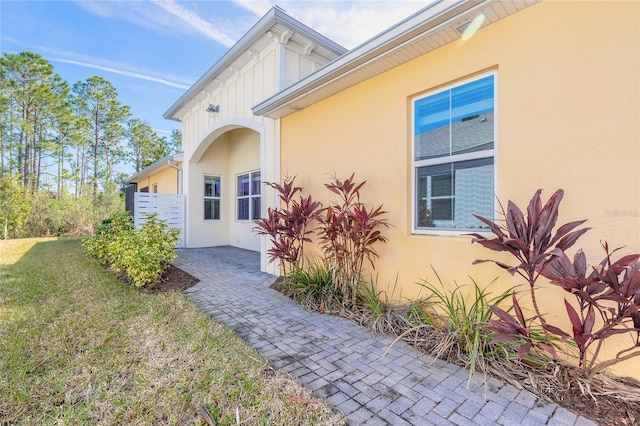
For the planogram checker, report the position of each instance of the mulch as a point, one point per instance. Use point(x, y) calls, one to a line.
point(173, 279)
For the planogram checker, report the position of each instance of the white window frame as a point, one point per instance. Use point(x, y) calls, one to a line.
point(213, 198)
point(415, 164)
point(250, 197)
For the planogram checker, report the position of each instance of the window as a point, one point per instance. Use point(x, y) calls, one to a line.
point(155, 188)
point(249, 196)
point(453, 144)
point(212, 197)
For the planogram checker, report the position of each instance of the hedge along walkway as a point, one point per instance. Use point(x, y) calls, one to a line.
point(341, 361)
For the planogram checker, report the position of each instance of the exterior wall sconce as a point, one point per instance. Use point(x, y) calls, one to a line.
point(212, 108)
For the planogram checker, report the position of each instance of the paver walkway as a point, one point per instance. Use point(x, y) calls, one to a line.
point(341, 361)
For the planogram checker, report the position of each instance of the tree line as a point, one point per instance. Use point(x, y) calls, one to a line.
point(61, 140)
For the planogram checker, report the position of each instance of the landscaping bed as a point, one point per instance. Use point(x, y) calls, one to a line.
point(606, 400)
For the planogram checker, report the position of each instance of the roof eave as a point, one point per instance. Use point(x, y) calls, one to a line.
point(430, 17)
point(155, 167)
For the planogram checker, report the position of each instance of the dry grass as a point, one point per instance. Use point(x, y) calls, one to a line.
point(81, 348)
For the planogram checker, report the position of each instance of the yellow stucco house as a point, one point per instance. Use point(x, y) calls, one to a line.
point(458, 106)
point(543, 95)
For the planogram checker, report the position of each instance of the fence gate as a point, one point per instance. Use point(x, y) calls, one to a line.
point(168, 207)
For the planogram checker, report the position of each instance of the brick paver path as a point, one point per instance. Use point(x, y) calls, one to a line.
point(341, 361)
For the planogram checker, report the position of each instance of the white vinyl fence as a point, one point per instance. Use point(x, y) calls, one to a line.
point(169, 207)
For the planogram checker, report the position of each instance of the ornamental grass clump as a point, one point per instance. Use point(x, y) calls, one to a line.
point(451, 323)
point(606, 298)
point(312, 286)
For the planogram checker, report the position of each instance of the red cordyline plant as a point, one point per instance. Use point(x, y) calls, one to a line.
point(611, 291)
point(347, 232)
point(531, 241)
point(288, 227)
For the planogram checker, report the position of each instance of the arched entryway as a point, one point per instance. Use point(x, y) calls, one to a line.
point(225, 188)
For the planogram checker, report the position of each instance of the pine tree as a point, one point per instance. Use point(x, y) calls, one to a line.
point(145, 147)
point(96, 102)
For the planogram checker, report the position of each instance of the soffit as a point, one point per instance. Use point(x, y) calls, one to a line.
point(417, 35)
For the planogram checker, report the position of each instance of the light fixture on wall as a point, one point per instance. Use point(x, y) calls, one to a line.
point(468, 28)
point(212, 108)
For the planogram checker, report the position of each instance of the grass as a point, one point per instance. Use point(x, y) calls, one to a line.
point(78, 347)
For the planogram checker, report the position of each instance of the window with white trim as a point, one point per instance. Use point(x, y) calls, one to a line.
point(212, 189)
point(248, 196)
point(453, 156)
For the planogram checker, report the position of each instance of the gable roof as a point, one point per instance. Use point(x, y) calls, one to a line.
point(156, 167)
point(436, 25)
point(281, 24)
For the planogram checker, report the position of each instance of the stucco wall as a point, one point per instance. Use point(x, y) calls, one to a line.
point(567, 116)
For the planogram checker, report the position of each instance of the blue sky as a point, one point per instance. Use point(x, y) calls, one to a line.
point(153, 50)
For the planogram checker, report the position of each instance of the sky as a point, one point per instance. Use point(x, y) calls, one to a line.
point(152, 51)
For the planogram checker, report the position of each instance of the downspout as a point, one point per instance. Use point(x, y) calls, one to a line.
point(174, 166)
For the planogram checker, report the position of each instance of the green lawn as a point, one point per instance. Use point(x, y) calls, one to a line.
point(78, 347)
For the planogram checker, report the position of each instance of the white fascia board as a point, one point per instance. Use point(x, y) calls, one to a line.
point(430, 17)
point(159, 165)
point(274, 16)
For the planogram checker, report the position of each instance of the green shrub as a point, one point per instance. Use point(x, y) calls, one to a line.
point(141, 255)
point(149, 251)
point(14, 206)
point(64, 214)
point(103, 245)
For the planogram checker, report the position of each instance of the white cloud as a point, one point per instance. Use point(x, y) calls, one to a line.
point(161, 16)
point(347, 22)
point(257, 7)
point(194, 21)
point(141, 13)
point(118, 68)
point(122, 72)
point(352, 23)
